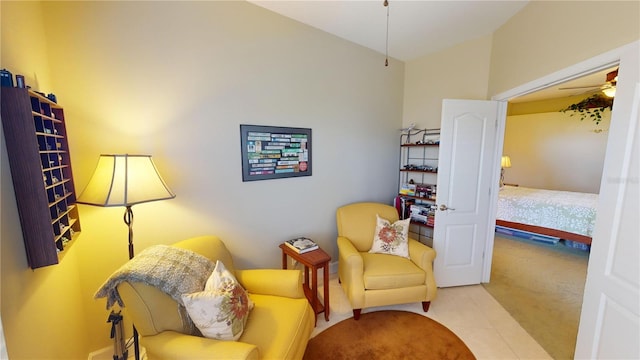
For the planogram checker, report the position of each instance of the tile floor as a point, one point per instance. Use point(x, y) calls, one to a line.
point(469, 311)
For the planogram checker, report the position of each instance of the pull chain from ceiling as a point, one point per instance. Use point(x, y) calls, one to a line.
point(386, 60)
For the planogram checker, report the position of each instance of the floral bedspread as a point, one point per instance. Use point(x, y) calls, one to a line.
point(562, 210)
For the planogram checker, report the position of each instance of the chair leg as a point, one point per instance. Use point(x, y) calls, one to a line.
point(425, 305)
point(356, 314)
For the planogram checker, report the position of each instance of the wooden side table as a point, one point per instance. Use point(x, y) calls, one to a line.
point(316, 259)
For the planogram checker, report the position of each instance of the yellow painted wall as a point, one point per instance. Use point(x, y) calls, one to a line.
point(24, 43)
point(544, 37)
point(552, 149)
point(43, 311)
point(556, 151)
point(544, 106)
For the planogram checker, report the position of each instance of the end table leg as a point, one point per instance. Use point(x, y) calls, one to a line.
point(314, 291)
point(325, 276)
point(284, 260)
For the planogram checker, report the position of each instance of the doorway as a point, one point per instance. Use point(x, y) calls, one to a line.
point(532, 90)
point(597, 317)
point(540, 279)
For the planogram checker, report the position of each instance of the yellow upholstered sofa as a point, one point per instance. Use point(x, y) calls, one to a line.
point(278, 327)
point(373, 279)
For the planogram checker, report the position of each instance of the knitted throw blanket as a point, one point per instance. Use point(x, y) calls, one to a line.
point(173, 270)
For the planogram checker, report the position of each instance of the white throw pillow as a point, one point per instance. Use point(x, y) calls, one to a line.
point(392, 239)
point(221, 310)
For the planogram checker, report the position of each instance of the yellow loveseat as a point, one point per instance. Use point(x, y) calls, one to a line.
point(278, 327)
point(371, 280)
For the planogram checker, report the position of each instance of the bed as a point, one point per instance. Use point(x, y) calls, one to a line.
point(559, 214)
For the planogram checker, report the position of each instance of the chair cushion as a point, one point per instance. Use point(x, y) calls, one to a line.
point(382, 271)
point(221, 310)
point(279, 326)
point(391, 238)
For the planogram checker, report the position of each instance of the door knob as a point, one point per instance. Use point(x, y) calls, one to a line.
point(444, 207)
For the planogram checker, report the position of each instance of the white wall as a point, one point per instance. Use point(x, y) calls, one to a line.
point(3, 344)
point(460, 72)
point(178, 84)
point(547, 36)
point(556, 151)
point(175, 80)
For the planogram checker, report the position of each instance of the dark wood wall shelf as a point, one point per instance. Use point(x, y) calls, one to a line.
point(36, 139)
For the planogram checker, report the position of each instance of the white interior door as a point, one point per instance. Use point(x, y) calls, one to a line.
point(3, 344)
point(610, 318)
point(466, 170)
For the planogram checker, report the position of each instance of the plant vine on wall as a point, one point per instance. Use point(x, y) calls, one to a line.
point(591, 107)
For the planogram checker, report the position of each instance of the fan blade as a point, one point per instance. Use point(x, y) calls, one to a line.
point(592, 91)
point(582, 87)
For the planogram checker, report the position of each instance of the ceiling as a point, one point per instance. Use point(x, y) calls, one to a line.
point(595, 79)
point(416, 27)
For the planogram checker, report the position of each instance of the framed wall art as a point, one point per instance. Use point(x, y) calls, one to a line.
point(273, 152)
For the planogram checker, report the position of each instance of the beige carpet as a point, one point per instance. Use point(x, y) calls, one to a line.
point(541, 286)
point(387, 335)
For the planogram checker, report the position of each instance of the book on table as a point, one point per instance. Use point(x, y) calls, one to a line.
point(301, 245)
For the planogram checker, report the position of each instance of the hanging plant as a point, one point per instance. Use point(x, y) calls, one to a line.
point(591, 107)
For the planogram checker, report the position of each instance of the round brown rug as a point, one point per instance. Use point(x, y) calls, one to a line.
point(387, 335)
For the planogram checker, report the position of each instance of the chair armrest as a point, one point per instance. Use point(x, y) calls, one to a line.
point(349, 256)
point(173, 345)
point(351, 271)
point(287, 283)
point(423, 256)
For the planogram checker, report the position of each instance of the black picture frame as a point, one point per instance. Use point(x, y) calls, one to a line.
point(275, 152)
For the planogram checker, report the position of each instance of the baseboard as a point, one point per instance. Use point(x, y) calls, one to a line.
point(333, 267)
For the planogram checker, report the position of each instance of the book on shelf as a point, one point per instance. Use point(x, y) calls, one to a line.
point(301, 245)
point(408, 189)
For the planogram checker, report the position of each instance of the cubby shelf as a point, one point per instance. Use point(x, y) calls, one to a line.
point(38, 150)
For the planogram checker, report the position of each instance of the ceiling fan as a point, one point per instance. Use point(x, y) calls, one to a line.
point(608, 88)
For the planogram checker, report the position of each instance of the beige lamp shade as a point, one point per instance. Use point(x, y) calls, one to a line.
point(505, 162)
point(125, 180)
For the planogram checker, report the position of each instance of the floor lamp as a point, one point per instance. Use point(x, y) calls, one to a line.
point(125, 180)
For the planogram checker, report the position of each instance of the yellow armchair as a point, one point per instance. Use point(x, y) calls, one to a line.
point(278, 327)
point(370, 279)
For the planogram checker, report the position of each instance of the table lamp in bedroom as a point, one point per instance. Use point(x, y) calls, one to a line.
point(504, 163)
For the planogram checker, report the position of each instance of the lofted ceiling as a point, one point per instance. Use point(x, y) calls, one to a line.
point(416, 27)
